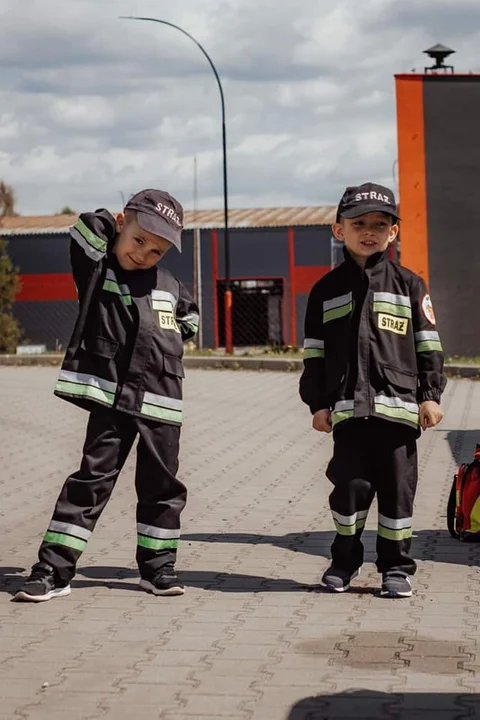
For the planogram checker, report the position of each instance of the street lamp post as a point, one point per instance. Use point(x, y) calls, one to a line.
point(228, 291)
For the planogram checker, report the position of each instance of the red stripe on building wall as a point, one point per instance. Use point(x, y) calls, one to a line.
point(291, 281)
point(305, 276)
point(215, 278)
point(52, 286)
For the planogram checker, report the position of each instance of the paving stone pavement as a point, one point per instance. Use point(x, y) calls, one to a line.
point(254, 638)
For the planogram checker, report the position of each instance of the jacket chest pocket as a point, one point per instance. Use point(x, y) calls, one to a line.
point(163, 304)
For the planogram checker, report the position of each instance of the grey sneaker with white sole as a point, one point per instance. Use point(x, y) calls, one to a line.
point(337, 580)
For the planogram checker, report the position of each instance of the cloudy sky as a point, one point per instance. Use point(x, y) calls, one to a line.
point(93, 107)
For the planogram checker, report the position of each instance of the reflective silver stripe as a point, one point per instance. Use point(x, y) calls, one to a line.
point(155, 532)
point(342, 405)
point(427, 335)
point(312, 343)
point(124, 289)
point(191, 319)
point(76, 530)
point(82, 379)
point(392, 524)
point(163, 295)
point(344, 519)
point(86, 247)
point(396, 403)
point(337, 302)
point(350, 519)
point(162, 401)
point(392, 298)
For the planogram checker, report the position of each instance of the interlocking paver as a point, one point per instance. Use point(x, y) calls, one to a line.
point(254, 638)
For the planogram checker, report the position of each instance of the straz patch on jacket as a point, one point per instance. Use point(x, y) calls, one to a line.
point(394, 324)
point(164, 303)
point(167, 320)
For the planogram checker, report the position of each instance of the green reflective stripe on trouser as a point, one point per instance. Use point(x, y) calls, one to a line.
point(156, 544)
point(391, 309)
point(396, 535)
point(66, 540)
point(349, 525)
point(90, 236)
point(394, 528)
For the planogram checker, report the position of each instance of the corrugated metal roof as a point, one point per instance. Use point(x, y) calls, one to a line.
point(203, 219)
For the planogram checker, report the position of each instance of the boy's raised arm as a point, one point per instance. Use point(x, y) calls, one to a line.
point(92, 237)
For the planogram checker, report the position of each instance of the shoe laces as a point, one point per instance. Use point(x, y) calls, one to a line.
point(168, 569)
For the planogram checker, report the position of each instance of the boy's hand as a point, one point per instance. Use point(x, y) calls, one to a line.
point(322, 421)
point(430, 414)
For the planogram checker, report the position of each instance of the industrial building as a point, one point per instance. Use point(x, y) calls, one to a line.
point(276, 255)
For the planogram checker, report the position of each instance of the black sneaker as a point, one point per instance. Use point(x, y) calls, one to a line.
point(337, 580)
point(396, 584)
point(165, 582)
point(41, 586)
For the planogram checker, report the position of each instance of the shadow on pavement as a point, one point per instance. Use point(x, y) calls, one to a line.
point(372, 705)
point(428, 545)
point(462, 444)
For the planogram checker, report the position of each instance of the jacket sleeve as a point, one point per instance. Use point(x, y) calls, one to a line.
point(91, 239)
point(312, 380)
point(430, 357)
point(186, 314)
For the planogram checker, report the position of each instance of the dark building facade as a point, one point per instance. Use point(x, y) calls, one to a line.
point(273, 267)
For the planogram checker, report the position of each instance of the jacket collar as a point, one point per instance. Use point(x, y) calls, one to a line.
point(372, 262)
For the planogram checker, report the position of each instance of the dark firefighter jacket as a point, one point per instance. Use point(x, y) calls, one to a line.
point(127, 344)
point(371, 346)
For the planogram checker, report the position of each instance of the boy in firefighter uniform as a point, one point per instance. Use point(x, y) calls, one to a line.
point(373, 373)
point(124, 365)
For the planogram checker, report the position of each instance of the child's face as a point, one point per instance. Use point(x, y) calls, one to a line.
point(366, 235)
point(135, 248)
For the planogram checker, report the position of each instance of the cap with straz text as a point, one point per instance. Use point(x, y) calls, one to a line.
point(367, 198)
point(160, 213)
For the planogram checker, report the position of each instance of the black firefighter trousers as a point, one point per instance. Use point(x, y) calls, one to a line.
point(373, 456)
point(161, 496)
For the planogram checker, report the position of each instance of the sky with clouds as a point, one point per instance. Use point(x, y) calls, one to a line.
point(93, 107)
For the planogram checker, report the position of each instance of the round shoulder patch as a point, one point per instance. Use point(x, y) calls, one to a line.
point(427, 308)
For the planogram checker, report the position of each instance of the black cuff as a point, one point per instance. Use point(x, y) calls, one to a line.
point(315, 408)
point(425, 395)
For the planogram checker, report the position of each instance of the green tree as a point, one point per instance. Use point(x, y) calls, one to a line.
point(67, 210)
point(10, 332)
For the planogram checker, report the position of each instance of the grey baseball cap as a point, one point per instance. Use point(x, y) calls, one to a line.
point(159, 213)
point(367, 198)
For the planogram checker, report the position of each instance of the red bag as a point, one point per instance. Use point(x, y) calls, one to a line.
point(463, 511)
